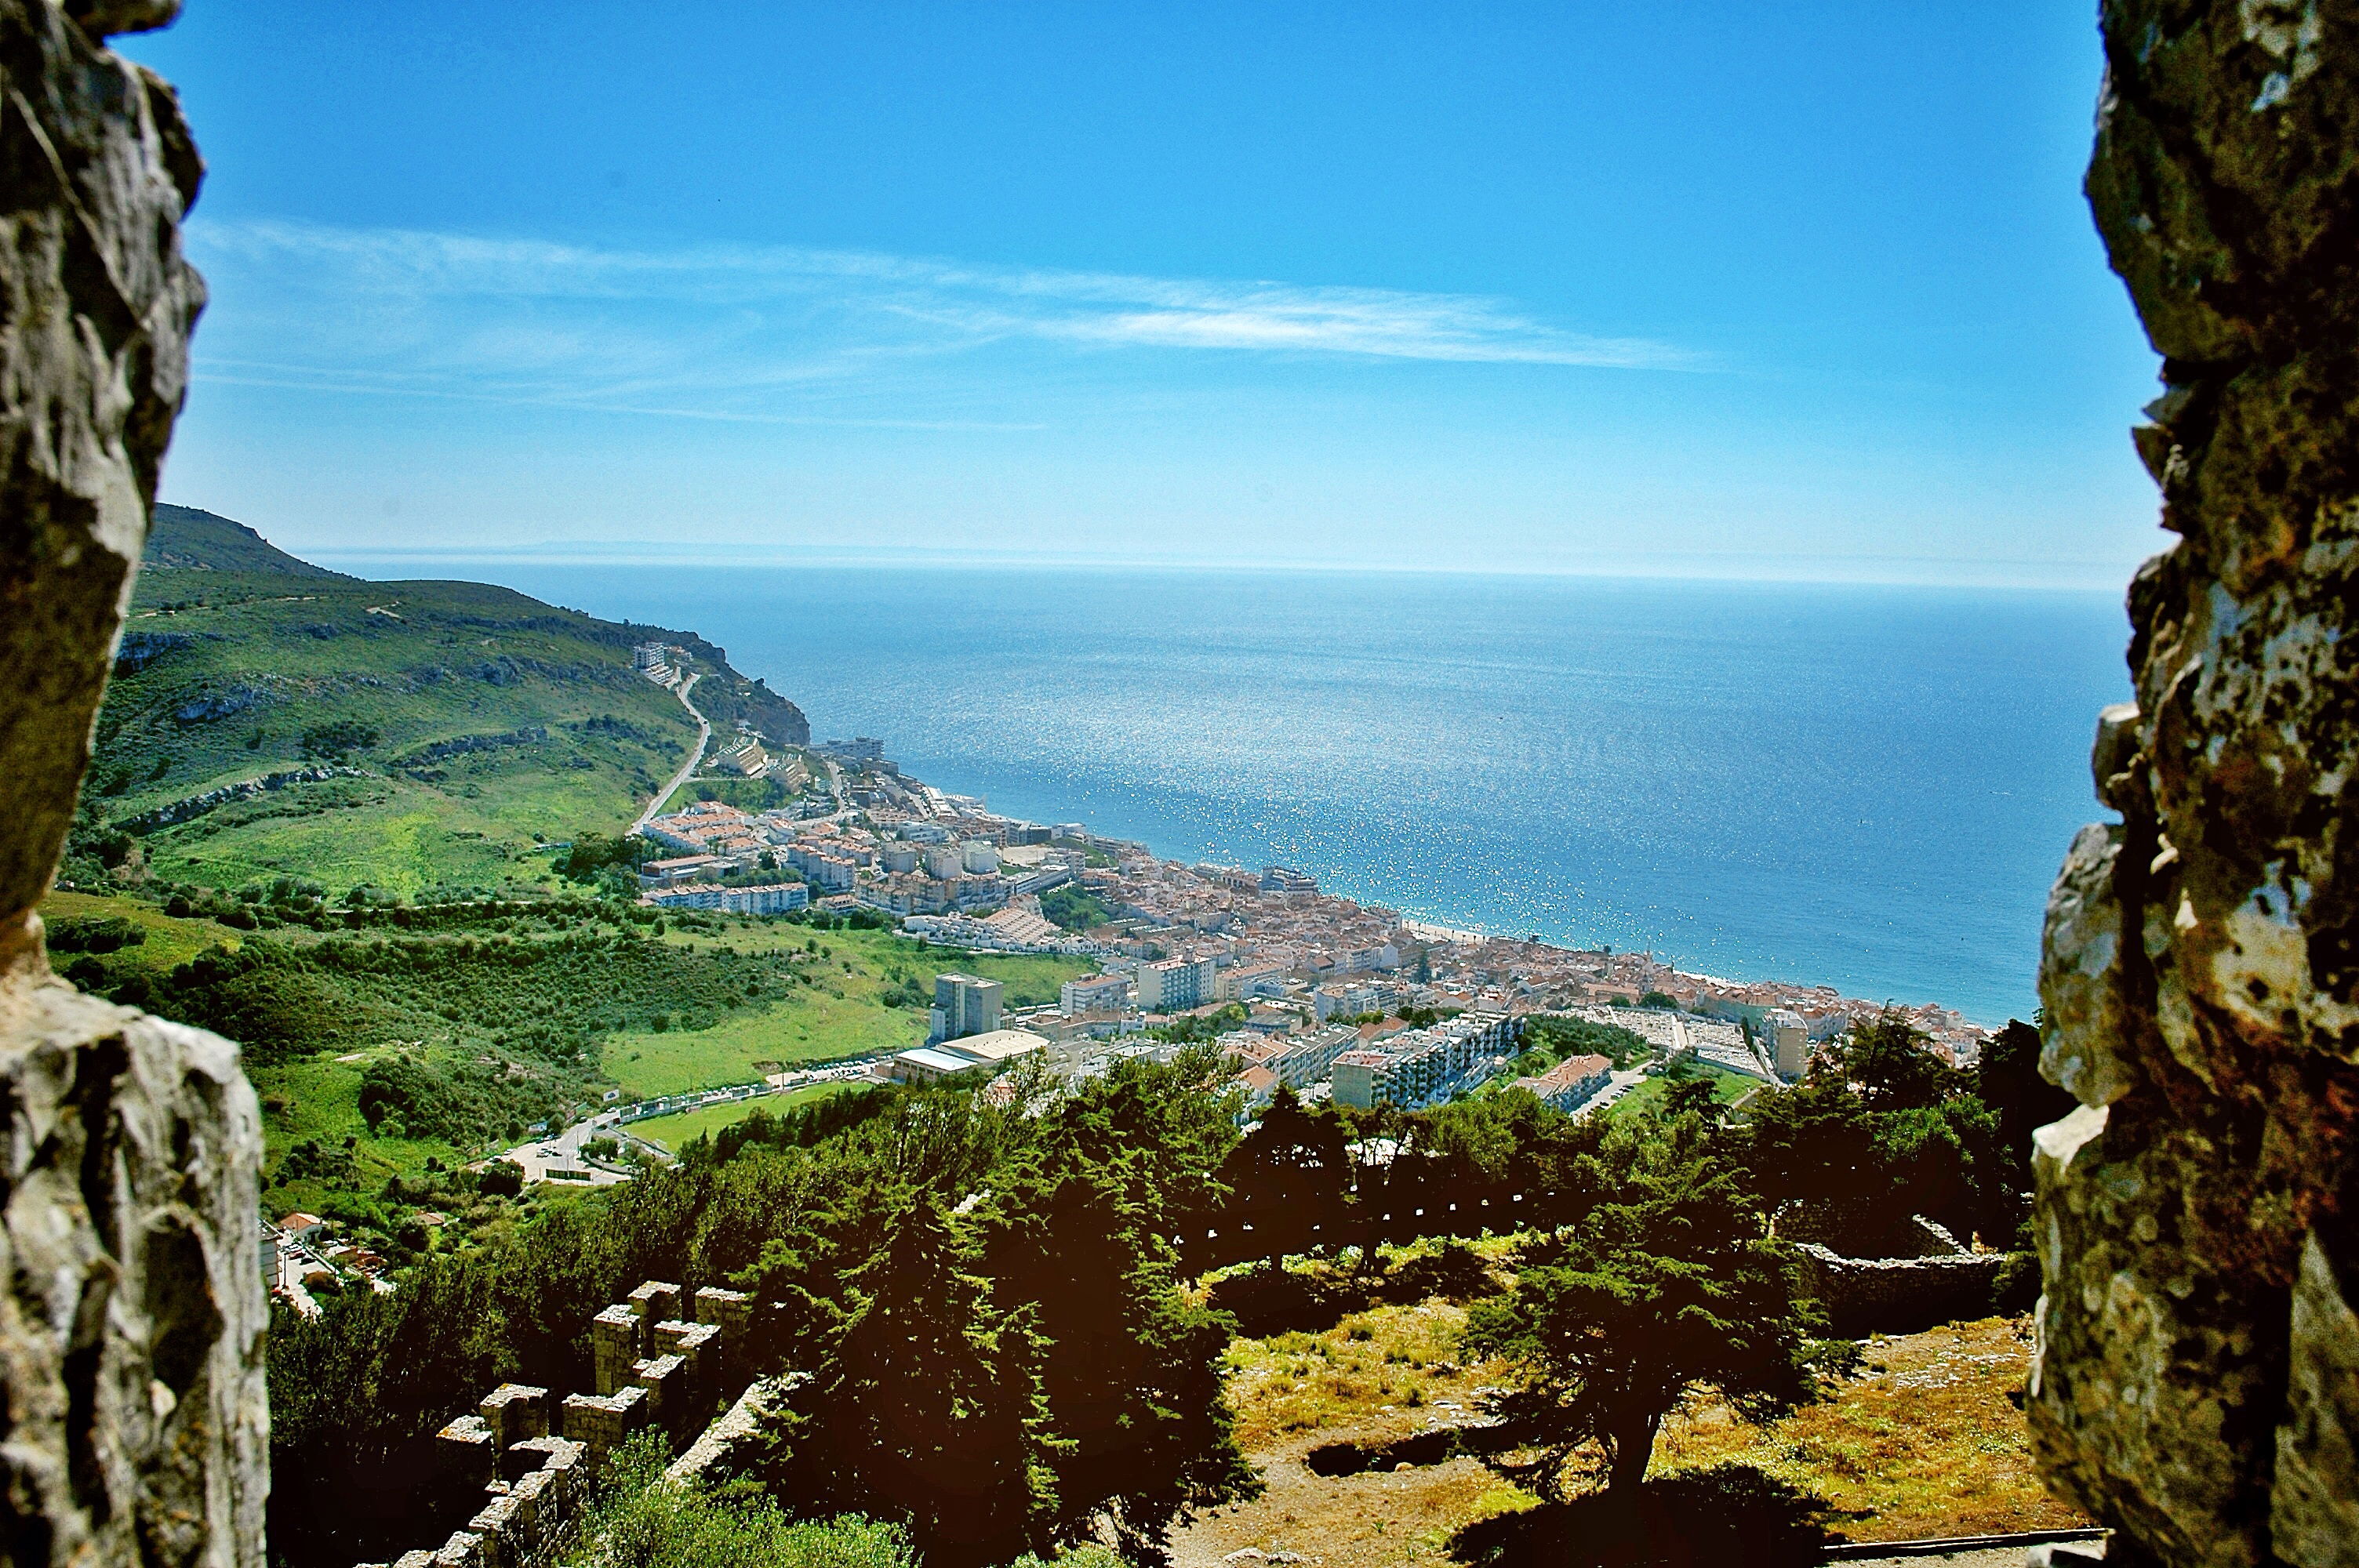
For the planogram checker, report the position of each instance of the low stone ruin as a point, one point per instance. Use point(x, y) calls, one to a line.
point(1876, 1274)
point(517, 1479)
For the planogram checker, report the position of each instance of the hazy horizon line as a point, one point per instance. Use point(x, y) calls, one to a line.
point(1732, 568)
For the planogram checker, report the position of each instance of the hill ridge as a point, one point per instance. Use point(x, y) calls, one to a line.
point(189, 538)
point(269, 718)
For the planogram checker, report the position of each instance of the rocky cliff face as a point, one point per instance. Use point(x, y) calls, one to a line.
point(2198, 1217)
point(133, 1427)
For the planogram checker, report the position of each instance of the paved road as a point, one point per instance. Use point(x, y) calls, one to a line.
point(562, 1151)
point(703, 737)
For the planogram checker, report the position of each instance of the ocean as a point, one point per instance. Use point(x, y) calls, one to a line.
point(1867, 787)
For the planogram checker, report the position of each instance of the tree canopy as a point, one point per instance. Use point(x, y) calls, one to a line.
point(1667, 1288)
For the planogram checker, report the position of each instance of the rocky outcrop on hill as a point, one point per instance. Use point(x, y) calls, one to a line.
point(196, 806)
point(2198, 1217)
point(133, 1426)
point(96, 308)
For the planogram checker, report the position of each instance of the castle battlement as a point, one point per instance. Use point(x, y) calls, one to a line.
point(514, 1469)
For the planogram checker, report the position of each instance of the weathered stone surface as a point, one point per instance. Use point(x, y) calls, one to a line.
point(2315, 1501)
point(134, 1425)
point(96, 302)
point(133, 1420)
point(2201, 965)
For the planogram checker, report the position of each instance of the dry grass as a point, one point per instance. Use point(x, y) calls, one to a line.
point(1390, 1361)
point(1387, 1373)
point(1925, 1442)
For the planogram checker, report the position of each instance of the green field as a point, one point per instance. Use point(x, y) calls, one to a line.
point(677, 1132)
point(841, 1013)
point(1727, 1087)
point(478, 1026)
point(168, 941)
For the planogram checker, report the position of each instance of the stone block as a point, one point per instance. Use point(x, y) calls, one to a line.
point(463, 1549)
point(2200, 969)
point(613, 1346)
point(653, 1302)
point(132, 1312)
point(466, 1455)
point(600, 1422)
point(515, 1412)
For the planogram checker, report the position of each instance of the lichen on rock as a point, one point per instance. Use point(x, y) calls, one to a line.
point(2201, 964)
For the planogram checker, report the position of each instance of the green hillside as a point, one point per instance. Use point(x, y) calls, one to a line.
point(268, 718)
point(184, 538)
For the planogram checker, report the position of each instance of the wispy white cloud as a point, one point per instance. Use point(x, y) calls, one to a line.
point(730, 332)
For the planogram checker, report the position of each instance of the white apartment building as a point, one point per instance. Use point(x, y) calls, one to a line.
point(1173, 984)
point(1096, 993)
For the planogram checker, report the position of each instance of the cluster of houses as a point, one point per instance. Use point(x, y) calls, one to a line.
point(301, 1253)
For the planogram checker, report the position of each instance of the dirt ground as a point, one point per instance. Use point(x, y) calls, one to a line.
point(1375, 1520)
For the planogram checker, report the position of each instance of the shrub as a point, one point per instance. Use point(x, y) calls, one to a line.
point(636, 1522)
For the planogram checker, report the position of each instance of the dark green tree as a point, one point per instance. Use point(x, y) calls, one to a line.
point(1667, 1288)
point(1291, 1178)
point(928, 1409)
point(1891, 1062)
point(1131, 1370)
point(2007, 1078)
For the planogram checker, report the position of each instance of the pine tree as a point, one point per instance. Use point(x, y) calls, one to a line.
point(928, 1410)
point(1132, 1374)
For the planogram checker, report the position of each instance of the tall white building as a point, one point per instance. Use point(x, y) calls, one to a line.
point(980, 856)
point(1095, 993)
point(1788, 1038)
point(965, 1005)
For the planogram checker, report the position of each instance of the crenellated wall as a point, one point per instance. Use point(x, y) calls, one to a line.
point(2194, 1383)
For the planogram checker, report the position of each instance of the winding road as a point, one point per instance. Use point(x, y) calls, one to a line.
point(703, 738)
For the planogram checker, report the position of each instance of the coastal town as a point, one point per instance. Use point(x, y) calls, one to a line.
point(1312, 990)
point(1301, 989)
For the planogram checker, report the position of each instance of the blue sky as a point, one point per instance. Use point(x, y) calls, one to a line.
point(1803, 291)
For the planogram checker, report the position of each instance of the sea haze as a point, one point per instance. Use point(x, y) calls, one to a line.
point(1869, 787)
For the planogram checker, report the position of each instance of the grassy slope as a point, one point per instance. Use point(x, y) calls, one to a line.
point(235, 653)
point(839, 1013)
point(189, 537)
point(844, 1014)
point(169, 941)
point(1924, 1442)
point(239, 656)
point(291, 656)
point(1726, 1086)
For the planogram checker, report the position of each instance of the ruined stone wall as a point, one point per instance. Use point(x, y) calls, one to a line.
point(133, 1426)
point(1900, 1295)
point(2198, 1217)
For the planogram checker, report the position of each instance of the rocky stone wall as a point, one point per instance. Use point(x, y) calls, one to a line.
point(133, 1423)
point(1901, 1295)
point(2198, 1217)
